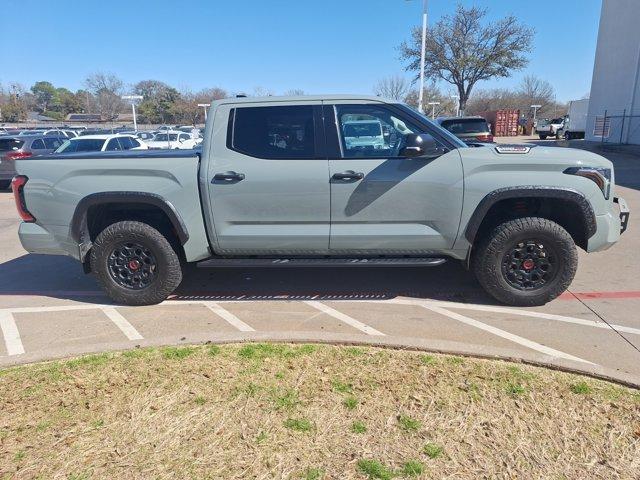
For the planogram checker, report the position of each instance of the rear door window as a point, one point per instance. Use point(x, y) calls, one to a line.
point(279, 132)
point(113, 145)
point(37, 144)
point(126, 143)
point(53, 143)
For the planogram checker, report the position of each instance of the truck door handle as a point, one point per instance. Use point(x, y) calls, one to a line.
point(348, 175)
point(229, 177)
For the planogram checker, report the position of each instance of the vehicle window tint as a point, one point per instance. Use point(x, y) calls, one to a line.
point(53, 142)
point(9, 144)
point(274, 132)
point(113, 145)
point(37, 144)
point(134, 143)
point(369, 131)
point(125, 142)
point(471, 125)
point(184, 137)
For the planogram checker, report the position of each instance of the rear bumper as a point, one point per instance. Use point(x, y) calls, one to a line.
point(35, 239)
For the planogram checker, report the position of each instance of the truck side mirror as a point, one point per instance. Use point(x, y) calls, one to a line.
point(420, 145)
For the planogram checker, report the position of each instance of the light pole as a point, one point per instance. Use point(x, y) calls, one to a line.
point(133, 99)
point(535, 111)
point(433, 108)
point(424, 43)
point(457, 97)
point(205, 106)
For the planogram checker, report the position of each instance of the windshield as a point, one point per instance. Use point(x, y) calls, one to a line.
point(466, 125)
point(442, 131)
point(81, 145)
point(369, 129)
point(162, 137)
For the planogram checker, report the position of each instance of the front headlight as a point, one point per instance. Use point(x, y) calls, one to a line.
point(601, 176)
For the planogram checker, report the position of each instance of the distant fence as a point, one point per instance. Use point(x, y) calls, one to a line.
point(617, 127)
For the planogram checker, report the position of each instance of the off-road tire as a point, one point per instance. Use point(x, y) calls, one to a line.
point(167, 272)
point(5, 184)
point(487, 260)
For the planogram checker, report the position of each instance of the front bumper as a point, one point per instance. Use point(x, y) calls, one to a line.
point(624, 213)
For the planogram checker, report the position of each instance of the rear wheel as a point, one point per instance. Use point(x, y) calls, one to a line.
point(526, 262)
point(135, 264)
point(543, 137)
point(5, 184)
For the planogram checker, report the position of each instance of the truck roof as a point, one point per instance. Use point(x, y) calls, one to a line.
point(303, 98)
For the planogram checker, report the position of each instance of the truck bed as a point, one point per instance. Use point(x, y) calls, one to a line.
point(59, 182)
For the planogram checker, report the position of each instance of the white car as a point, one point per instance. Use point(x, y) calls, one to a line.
point(173, 140)
point(102, 143)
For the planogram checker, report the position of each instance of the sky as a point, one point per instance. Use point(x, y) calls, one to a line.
point(321, 46)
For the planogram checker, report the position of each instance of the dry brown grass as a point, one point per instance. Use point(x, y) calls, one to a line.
point(283, 411)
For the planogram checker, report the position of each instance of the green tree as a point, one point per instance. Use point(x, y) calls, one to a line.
point(158, 100)
point(464, 49)
point(44, 93)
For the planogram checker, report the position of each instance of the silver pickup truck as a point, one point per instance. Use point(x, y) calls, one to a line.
point(277, 184)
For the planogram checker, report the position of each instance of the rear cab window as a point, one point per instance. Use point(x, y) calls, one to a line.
point(466, 125)
point(10, 144)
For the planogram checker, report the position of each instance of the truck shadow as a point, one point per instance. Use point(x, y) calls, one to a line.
point(62, 278)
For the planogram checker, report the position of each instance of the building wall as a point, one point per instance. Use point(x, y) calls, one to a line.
point(615, 86)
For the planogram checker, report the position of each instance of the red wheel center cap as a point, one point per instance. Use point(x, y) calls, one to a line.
point(134, 264)
point(528, 264)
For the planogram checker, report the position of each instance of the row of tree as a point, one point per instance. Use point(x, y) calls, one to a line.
point(102, 95)
point(531, 91)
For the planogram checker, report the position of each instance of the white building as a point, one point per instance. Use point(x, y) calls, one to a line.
point(615, 87)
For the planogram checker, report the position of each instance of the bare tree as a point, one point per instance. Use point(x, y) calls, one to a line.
point(534, 91)
point(394, 87)
point(262, 92)
point(463, 49)
point(294, 92)
point(431, 93)
point(107, 89)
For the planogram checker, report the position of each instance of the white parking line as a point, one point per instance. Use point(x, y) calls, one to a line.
point(229, 317)
point(129, 330)
point(506, 335)
point(12, 339)
point(513, 311)
point(345, 318)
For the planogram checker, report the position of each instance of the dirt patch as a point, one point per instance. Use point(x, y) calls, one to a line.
point(310, 412)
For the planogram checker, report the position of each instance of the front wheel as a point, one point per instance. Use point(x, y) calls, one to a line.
point(526, 262)
point(135, 264)
point(543, 137)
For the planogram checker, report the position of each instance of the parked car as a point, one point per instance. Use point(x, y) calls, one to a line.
point(467, 129)
point(101, 143)
point(145, 136)
point(575, 123)
point(16, 147)
point(514, 214)
point(360, 134)
point(173, 140)
point(548, 128)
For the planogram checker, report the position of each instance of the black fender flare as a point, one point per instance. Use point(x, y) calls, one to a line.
point(536, 191)
point(79, 230)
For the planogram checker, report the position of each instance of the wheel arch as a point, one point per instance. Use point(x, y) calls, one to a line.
point(535, 200)
point(83, 233)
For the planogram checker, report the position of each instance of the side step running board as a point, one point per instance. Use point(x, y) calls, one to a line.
point(323, 262)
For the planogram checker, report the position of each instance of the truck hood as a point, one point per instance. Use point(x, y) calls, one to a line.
point(535, 157)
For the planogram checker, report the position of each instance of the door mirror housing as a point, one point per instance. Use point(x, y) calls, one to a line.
point(420, 145)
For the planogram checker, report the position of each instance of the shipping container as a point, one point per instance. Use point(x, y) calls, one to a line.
point(503, 123)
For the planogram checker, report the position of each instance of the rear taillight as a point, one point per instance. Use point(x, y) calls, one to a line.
point(485, 138)
point(17, 185)
point(17, 155)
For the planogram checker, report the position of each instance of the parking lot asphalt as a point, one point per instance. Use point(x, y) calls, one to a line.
point(50, 309)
